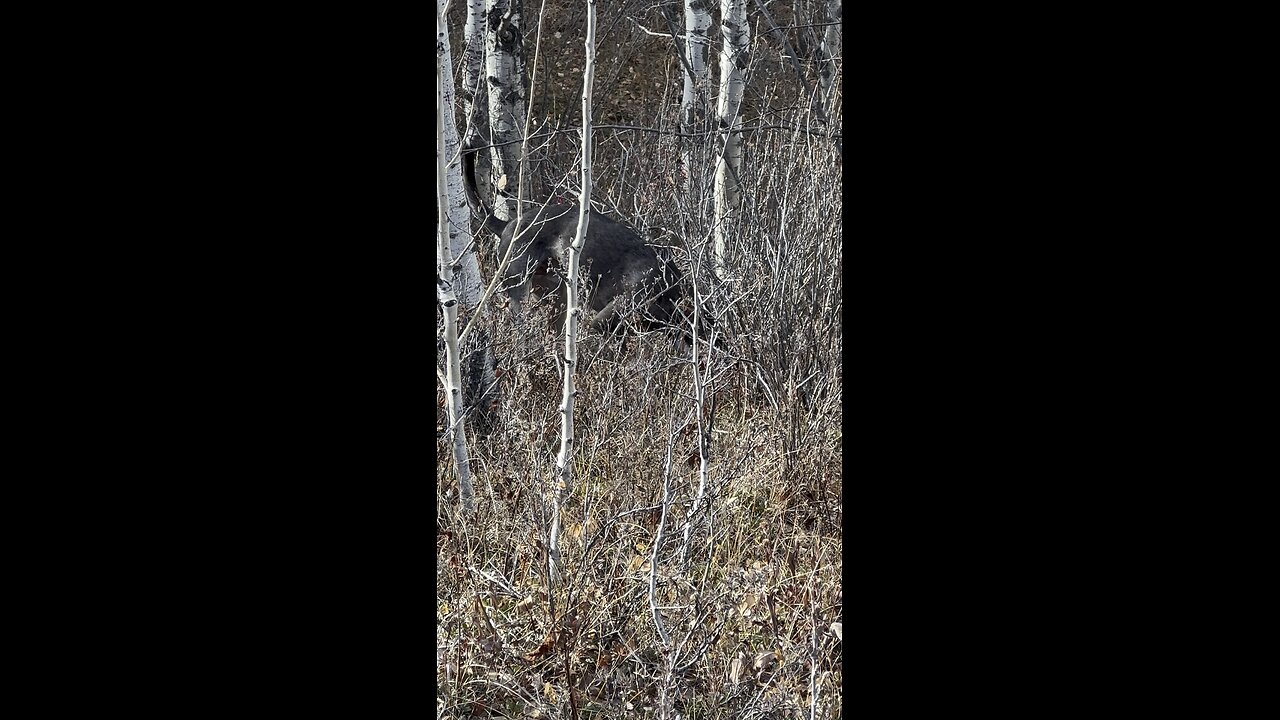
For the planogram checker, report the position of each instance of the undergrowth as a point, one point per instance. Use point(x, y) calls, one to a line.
point(752, 601)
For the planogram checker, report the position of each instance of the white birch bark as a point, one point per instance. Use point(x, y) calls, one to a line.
point(564, 461)
point(467, 284)
point(447, 274)
point(697, 20)
point(733, 56)
point(476, 113)
point(503, 47)
point(478, 363)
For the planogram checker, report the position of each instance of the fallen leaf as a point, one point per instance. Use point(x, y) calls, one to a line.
point(543, 649)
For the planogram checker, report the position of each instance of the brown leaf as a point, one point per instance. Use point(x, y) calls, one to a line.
point(546, 647)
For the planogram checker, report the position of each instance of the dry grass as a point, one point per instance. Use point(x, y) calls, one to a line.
point(761, 580)
point(750, 611)
point(750, 602)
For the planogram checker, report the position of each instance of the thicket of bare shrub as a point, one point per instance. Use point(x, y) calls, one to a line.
point(752, 604)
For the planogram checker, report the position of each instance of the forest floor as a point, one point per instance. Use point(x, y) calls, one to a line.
point(749, 599)
point(702, 542)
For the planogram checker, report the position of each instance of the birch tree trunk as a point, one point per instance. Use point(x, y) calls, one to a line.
point(564, 461)
point(504, 51)
point(733, 56)
point(451, 280)
point(467, 283)
point(697, 19)
point(478, 362)
point(476, 113)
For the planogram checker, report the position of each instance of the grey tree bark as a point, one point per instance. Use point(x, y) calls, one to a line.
point(733, 57)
